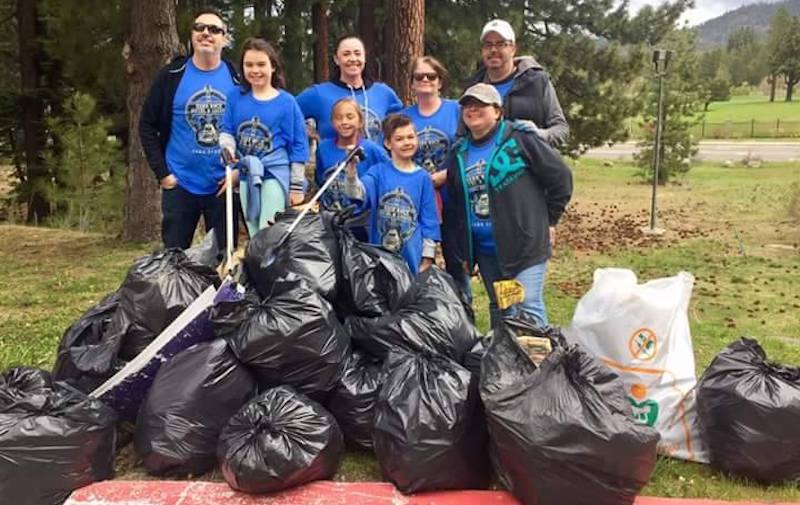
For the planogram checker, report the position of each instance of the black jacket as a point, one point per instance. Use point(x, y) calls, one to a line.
point(155, 121)
point(532, 97)
point(529, 187)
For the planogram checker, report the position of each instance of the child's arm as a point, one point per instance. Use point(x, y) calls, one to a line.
point(354, 188)
point(298, 155)
point(429, 222)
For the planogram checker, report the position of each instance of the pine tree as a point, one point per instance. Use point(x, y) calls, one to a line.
point(87, 163)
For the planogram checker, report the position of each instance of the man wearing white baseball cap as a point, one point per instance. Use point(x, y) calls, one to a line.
point(528, 95)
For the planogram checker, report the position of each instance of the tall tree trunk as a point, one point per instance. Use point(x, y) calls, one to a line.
point(32, 102)
point(407, 18)
point(319, 20)
point(790, 90)
point(367, 26)
point(773, 79)
point(294, 35)
point(152, 41)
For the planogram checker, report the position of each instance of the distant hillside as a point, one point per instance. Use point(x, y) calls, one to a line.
point(715, 32)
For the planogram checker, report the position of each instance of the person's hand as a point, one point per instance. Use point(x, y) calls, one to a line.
point(168, 182)
point(425, 264)
point(231, 155)
point(552, 231)
point(221, 184)
point(439, 178)
point(296, 198)
point(527, 126)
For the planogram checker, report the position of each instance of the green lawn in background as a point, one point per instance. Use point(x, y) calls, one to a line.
point(737, 230)
point(758, 107)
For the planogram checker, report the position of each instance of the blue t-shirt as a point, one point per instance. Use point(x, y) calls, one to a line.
point(377, 101)
point(197, 111)
point(477, 162)
point(503, 87)
point(435, 133)
point(262, 126)
point(329, 155)
point(402, 210)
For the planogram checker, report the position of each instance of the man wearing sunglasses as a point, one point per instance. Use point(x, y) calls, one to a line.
point(528, 95)
point(179, 129)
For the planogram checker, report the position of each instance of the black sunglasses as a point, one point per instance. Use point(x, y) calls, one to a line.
point(212, 29)
point(421, 76)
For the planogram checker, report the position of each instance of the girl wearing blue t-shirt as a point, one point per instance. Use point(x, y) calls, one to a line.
point(399, 197)
point(264, 130)
point(349, 80)
point(348, 121)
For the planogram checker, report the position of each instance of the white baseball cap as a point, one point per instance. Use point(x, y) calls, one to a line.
point(500, 27)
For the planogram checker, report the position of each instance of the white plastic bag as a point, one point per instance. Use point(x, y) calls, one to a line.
point(642, 332)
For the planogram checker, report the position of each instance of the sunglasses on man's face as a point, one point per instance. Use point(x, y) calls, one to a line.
point(212, 29)
point(421, 76)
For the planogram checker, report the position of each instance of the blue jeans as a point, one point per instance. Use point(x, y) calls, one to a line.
point(532, 280)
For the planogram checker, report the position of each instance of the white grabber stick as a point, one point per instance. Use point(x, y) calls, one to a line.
point(356, 154)
point(226, 156)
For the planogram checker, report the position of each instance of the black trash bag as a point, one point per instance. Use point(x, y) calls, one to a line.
point(353, 401)
point(429, 433)
point(156, 290)
point(87, 353)
point(279, 440)
point(207, 252)
point(563, 432)
point(429, 318)
point(749, 412)
point(19, 384)
point(53, 439)
point(374, 280)
point(311, 252)
point(291, 337)
point(191, 400)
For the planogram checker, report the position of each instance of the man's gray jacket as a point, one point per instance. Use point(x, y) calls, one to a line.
point(532, 97)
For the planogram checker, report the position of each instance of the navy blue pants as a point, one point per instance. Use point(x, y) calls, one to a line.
point(181, 212)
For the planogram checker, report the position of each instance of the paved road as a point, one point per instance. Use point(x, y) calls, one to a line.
point(716, 151)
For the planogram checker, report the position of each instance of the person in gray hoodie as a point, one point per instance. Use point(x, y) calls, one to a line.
point(528, 95)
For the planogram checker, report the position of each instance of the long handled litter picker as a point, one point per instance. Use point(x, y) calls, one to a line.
point(228, 159)
point(355, 155)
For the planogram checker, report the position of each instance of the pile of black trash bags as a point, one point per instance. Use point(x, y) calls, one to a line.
point(328, 343)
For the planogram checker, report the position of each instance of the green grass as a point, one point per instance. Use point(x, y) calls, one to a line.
point(744, 117)
point(757, 107)
point(744, 252)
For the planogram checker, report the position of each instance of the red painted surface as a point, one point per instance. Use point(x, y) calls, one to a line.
point(318, 493)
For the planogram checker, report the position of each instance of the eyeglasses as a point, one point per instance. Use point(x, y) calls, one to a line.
point(421, 76)
point(496, 45)
point(212, 29)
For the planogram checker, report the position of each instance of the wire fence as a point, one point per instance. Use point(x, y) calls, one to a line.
point(734, 129)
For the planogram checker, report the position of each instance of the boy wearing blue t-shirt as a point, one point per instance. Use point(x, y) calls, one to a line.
point(400, 198)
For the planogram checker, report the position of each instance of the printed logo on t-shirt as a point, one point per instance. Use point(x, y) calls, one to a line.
point(397, 219)
point(478, 193)
point(254, 138)
point(433, 147)
point(372, 123)
point(334, 198)
point(204, 111)
point(507, 166)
